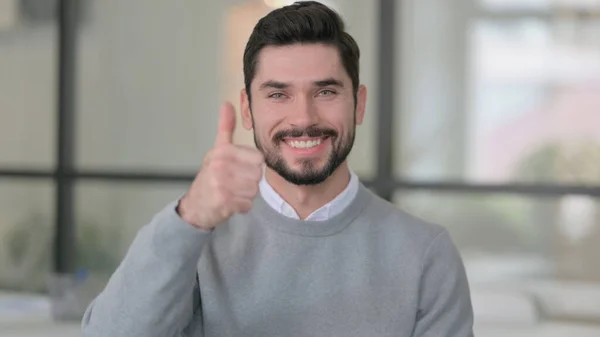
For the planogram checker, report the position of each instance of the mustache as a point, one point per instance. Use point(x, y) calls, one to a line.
point(311, 131)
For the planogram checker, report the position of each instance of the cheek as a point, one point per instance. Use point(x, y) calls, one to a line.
point(264, 130)
point(268, 124)
point(345, 125)
point(341, 116)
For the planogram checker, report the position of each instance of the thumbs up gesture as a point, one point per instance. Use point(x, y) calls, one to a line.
point(228, 181)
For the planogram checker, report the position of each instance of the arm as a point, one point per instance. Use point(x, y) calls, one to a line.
point(445, 308)
point(152, 291)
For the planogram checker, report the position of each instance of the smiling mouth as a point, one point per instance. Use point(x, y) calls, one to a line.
point(304, 143)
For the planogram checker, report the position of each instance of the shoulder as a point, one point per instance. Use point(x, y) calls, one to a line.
point(392, 219)
point(430, 243)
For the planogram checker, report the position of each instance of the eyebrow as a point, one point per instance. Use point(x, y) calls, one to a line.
point(282, 85)
point(329, 82)
point(274, 85)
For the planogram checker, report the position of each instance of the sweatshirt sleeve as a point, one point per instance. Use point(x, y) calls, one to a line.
point(151, 293)
point(445, 308)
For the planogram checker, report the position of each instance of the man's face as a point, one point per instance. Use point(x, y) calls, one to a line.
point(303, 111)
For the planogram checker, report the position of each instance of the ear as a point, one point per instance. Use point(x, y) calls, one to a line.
point(361, 103)
point(246, 113)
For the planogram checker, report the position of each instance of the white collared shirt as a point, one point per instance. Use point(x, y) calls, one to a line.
point(326, 212)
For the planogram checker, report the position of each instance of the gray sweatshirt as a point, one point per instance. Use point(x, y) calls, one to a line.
point(372, 270)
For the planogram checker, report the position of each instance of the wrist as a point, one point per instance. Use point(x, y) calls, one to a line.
point(186, 214)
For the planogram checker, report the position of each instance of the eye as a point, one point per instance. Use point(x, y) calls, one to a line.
point(277, 95)
point(326, 92)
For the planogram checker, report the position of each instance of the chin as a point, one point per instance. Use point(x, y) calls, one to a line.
point(303, 179)
point(306, 166)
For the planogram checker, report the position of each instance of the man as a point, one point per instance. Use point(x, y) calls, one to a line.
point(301, 248)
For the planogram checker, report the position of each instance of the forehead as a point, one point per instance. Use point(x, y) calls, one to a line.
point(299, 63)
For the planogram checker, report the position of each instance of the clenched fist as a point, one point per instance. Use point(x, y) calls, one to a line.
point(228, 181)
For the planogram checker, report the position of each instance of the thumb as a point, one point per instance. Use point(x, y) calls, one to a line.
point(226, 125)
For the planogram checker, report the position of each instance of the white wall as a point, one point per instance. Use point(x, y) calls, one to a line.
point(149, 91)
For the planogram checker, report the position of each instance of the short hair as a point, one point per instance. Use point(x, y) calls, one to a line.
point(302, 22)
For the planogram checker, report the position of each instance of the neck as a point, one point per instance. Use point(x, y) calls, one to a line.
point(307, 199)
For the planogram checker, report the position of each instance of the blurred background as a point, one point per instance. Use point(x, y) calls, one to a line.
point(483, 116)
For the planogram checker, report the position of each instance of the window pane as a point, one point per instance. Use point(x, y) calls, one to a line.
point(149, 86)
point(535, 120)
point(27, 87)
point(26, 234)
point(538, 251)
point(430, 123)
point(512, 101)
point(109, 216)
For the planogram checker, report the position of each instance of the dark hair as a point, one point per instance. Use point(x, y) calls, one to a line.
point(302, 22)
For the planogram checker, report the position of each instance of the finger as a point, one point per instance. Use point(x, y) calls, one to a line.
point(246, 154)
point(244, 187)
point(242, 171)
point(240, 179)
point(233, 176)
point(226, 125)
point(234, 155)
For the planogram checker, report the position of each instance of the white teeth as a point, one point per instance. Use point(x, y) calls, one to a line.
point(300, 144)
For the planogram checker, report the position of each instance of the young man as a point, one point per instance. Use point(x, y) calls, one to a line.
point(301, 248)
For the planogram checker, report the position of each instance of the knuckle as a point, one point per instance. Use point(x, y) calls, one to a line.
point(216, 152)
point(220, 166)
point(220, 152)
point(221, 198)
point(217, 164)
point(224, 213)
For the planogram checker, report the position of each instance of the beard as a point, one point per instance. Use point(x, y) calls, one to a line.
point(309, 173)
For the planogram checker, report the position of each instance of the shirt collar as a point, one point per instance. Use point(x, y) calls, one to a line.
point(327, 211)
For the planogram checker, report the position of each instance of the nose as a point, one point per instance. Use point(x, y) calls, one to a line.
point(303, 113)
